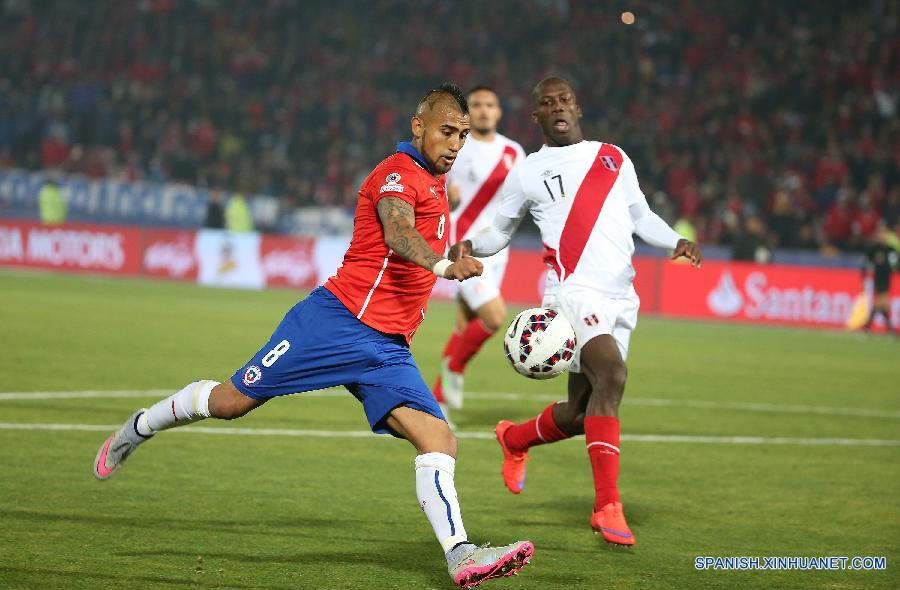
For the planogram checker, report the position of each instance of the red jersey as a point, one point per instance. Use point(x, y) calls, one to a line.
point(383, 290)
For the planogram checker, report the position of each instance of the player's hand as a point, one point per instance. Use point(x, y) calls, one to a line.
point(689, 250)
point(460, 249)
point(464, 268)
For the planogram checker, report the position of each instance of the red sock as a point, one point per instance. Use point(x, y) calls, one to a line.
point(470, 342)
point(537, 431)
point(602, 438)
point(437, 392)
point(452, 344)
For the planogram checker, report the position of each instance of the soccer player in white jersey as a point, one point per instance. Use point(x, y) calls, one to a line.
point(473, 186)
point(586, 201)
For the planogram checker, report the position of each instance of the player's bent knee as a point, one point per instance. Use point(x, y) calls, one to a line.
point(227, 403)
point(494, 322)
point(493, 314)
point(442, 440)
point(616, 377)
point(452, 445)
point(609, 380)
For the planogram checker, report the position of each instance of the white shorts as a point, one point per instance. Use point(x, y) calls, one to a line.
point(593, 314)
point(477, 291)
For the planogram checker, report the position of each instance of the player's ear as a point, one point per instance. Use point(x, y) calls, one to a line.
point(417, 127)
point(578, 111)
point(534, 118)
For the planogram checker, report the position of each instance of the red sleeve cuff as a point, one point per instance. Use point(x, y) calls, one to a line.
point(411, 199)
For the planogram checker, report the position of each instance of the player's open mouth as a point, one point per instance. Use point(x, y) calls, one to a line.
point(561, 125)
point(448, 159)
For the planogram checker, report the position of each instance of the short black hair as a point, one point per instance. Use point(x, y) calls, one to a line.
point(481, 87)
point(445, 90)
point(536, 93)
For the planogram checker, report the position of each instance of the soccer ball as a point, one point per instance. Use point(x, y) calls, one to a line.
point(540, 343)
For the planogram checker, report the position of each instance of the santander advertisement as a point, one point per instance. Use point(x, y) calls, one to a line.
point(745, 292)
point(722, 291)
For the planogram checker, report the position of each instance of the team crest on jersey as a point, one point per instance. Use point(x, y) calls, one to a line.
point(433, 190)
point(547, 173)
point(609, 163)
point(393, 184)
point(252, 375)
point(508, 161)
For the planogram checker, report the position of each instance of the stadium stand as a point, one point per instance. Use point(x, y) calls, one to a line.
point(779, 112)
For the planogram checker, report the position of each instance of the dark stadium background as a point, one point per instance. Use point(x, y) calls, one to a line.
point(759, 419)
point(773, 122)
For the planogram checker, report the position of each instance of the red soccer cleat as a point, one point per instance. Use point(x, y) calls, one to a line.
point(609, 521)
point(513, 469)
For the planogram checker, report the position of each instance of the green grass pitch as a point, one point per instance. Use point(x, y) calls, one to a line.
point(216, 510)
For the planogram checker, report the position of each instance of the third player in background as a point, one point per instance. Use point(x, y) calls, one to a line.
point(473, 187)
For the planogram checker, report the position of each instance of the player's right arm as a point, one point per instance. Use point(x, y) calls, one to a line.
point(497, 236)
point(399, 221)
point(651, 227)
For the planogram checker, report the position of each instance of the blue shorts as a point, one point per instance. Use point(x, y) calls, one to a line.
point(320, 344)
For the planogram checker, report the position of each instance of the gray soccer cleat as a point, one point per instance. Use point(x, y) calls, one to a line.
point(452, 386)
point(474, 565)
point(117, 447)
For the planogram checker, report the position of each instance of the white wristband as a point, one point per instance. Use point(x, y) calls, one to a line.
point(441, 267)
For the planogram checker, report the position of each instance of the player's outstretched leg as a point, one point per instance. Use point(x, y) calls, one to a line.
point(435, 465)
point(516, 439)
point(197, 401)
point(558, 421)
point(119, 446)
point(602, 362)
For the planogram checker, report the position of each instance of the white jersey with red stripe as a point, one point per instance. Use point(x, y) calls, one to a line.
point(587, 203)
point(479, 171)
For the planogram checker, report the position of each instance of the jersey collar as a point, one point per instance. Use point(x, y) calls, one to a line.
point(407, 148)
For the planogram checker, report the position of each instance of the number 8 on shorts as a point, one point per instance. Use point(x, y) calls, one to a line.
point(272, 356)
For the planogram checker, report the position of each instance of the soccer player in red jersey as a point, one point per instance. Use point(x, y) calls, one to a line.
point(473, 186)
point(356, 329)
point(585, 198)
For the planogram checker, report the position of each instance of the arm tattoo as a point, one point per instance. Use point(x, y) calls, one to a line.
point(399, 221)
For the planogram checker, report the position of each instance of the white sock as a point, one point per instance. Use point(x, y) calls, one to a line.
point(188, 405)
point(437, 497)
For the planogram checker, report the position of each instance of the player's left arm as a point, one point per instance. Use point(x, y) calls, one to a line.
point(651, 227)
point(399, 221)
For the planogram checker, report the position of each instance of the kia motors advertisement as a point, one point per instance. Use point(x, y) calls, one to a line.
point(720, 290)
point(71, 247)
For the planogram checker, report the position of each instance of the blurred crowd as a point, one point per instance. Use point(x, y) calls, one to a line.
point(773, 122)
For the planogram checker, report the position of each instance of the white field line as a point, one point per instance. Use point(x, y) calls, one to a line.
point(500, 396)
point(120, 394)
point(651, 438)
point(709, 405)
point(112, 394)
